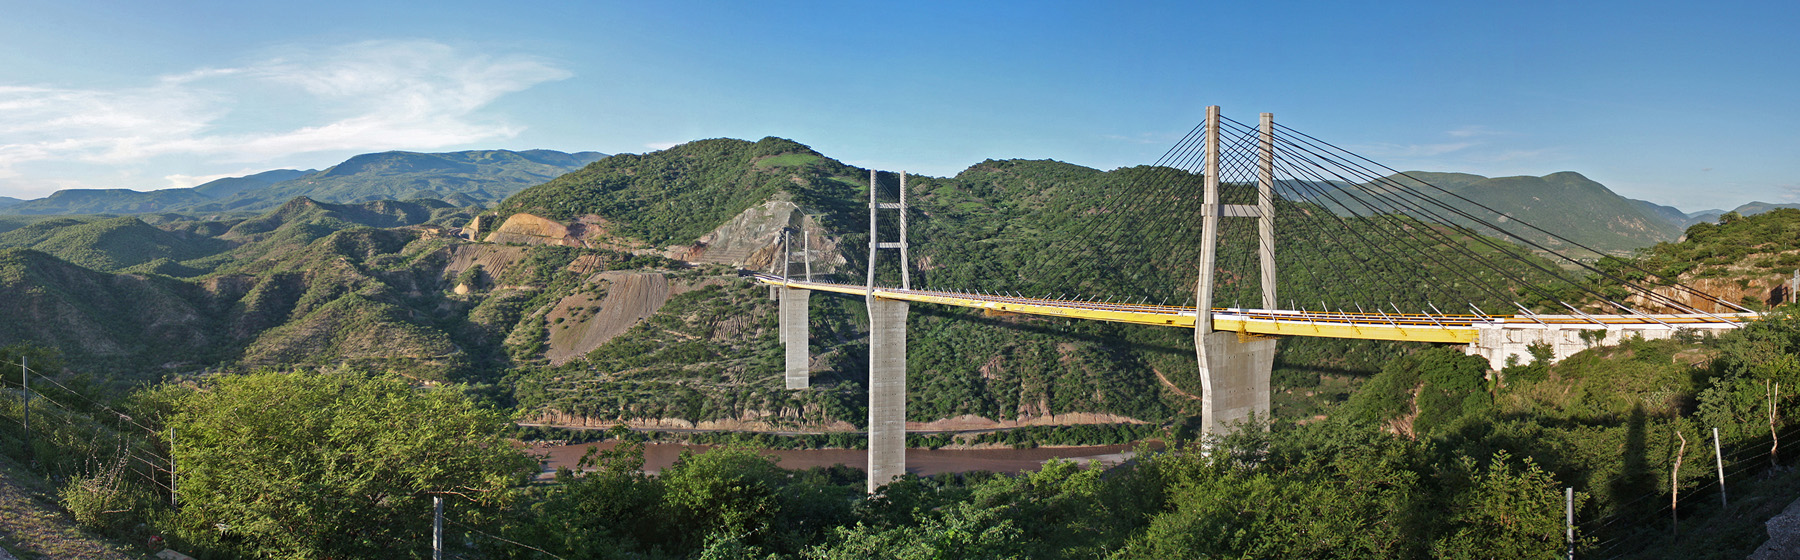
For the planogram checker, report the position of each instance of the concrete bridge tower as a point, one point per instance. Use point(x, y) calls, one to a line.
point(1234, 367)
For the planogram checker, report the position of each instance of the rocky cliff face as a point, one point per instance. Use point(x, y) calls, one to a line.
point(753, 238)
point(526, 229)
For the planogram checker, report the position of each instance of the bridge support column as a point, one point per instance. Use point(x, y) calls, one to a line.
point(795, 335)
point(887, 391)
point(1234, 373)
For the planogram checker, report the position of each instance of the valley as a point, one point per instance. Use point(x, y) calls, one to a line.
point(613, 296)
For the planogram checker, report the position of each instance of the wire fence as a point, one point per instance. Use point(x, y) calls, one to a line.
point(1627, 529)
point(77, 426)
point(71, 417)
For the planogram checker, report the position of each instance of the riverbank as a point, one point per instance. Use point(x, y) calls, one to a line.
point(919, 461)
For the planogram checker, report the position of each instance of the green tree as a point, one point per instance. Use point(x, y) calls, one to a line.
point(335, 464)
point(1509, 511)
point(726, 492)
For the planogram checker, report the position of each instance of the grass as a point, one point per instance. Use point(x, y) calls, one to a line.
point(33, 527)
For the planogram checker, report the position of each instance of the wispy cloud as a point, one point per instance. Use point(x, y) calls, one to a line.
point(1472, 148)
point(1159, 138)
point(180, 181)
point(1472, 131)
point(1413, 150)
point(373, 95)
point(661, 145)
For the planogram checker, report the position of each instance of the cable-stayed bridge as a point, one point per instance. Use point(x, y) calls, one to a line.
point(1362, 251)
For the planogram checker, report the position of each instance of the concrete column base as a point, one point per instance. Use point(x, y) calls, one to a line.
point(1234, 373)
point(887, 391)
point(795, 334)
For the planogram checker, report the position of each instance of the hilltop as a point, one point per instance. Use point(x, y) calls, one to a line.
point(476, 177)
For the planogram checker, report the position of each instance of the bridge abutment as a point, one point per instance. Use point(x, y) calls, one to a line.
point(887, 391)
point(1234, 374)
point(1498, 343)
point(795, 336)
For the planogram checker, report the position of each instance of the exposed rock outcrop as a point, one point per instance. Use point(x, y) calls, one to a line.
point(1784, 536)
point(752, 240)
point(527, 229)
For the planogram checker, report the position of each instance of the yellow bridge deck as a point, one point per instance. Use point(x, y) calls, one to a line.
point(1328, 324)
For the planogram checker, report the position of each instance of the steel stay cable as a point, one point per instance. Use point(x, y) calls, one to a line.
point(1119, 209)
point(1364, 183)
point(1364, 178)
point(1433, 281)
point(1376, 226)
point(1317, 232)
point(1243, 264)
point(1529, 285)
point(1675, 304)
point(1684, 287)
point(1436, 236)
point(1182, 162)
point(1452, 243)
point(1368, 246)
point(1385, 259)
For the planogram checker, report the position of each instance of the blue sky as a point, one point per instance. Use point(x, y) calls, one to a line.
point(1690, 104)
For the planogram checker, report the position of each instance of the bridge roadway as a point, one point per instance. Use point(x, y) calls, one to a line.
point(1458, 329)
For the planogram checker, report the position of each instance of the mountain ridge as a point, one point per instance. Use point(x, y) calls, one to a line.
point(467, 177)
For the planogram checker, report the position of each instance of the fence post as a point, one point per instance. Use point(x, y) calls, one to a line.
point(1675, 485)
point(1719, 459)
point(25, 398)
point(1569, 518)
point(174, 501)
point(437, 528)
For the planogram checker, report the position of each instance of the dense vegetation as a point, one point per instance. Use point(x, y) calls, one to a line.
point(1430, 461)
point(268, 323)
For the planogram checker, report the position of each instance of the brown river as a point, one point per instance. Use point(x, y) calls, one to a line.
point(922, 462)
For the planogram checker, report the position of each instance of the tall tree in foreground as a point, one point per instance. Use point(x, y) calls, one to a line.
point(335, 464)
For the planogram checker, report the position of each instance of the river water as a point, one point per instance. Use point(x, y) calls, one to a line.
point(922, 462)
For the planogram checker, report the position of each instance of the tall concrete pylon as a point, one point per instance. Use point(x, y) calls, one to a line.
point(1234, 367)
point(887, 351)
point(796, 334)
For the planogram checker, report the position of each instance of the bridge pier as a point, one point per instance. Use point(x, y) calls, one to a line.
point(1234, 375)
point(795, 336)
point(887, 391)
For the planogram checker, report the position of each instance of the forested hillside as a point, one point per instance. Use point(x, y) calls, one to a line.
point(399, 334)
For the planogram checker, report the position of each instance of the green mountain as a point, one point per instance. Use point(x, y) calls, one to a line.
point(1669, 214)
point(221, 188)
point(1567, 203)
point(109, 201)
point(6, 201)
point(304, 285)
point(109, 244)
point(480, 177)
point(574, 311)
point(485, 176)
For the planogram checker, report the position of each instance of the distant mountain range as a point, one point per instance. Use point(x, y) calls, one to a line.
point(460, 178)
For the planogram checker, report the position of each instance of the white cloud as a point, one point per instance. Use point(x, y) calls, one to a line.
point(662, 145)
point(1413, 150)
point(1472, 131)
point(375, 95)
point(179, 181)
